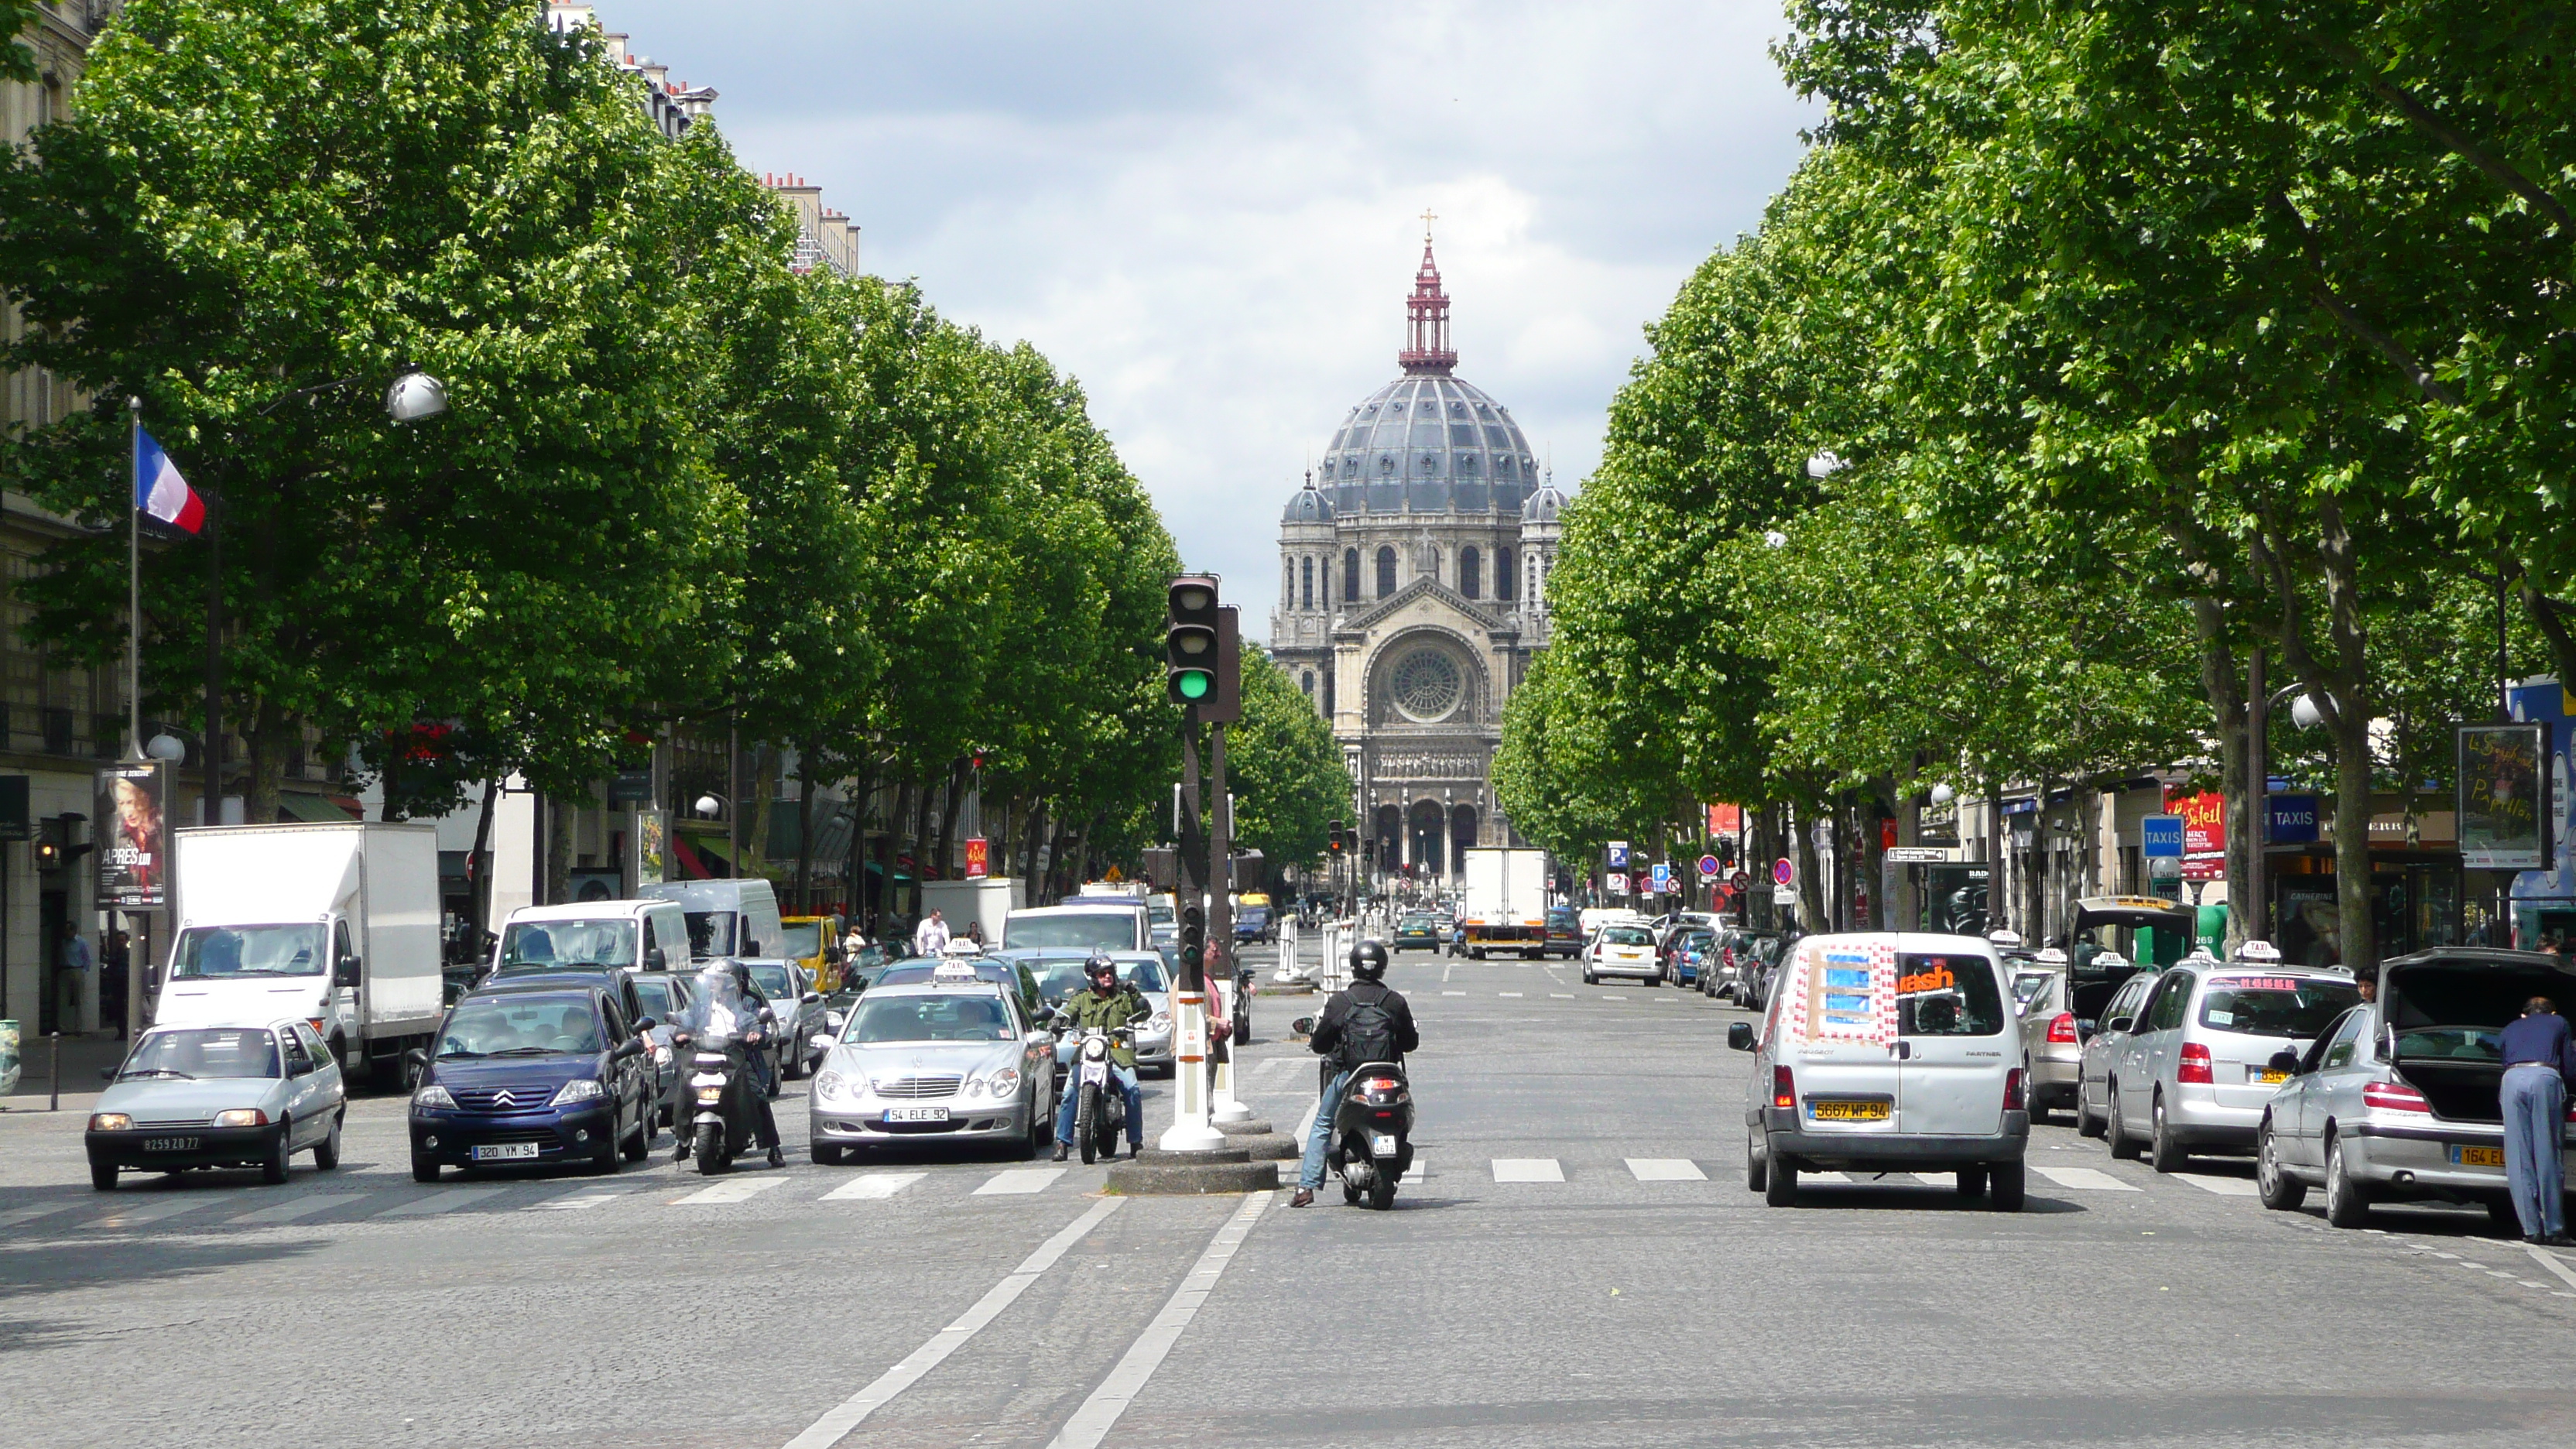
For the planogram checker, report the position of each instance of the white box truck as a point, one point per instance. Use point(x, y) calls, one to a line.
point(986, 900)
point(1504, 907)
point(337, 924)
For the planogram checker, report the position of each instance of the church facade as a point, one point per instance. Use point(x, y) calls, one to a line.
point(1413, 593)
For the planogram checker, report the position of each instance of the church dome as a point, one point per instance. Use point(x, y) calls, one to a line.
point(1544, 505)
point(1309, 506)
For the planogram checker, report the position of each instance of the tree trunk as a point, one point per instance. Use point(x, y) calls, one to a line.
point(2222, 684)
point(804, 828)
point(754, 846)
point(952, 803)
point(561, 822)
point(1034, 829)
point(1811, 884)
point(1054, 861)
point(265, 742)
point(478, 869)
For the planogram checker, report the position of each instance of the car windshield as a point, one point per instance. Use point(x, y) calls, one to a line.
point(197, 1052)
point(1158, 913)
point(1947, 996)
point(223, 951)
point(2276, 1006)
point(1105, 930)
point(1627, 936)
point(1143, 975)
point(946, 1017)
point(800, 940)
point(1057, 979)
point(710, 933)
point(772, 981)
point(2027, 984)
point(568, 943)
point(534, 1026)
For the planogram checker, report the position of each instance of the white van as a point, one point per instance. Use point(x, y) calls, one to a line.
point(733, 917)
point(1887, 1052)
point(1099, 923)
point(638, 935)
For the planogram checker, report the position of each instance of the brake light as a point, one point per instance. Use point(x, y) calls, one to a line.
point(1784, 1088)
point(1380, 1084)
point(2013, 1090)
point(2061, 1028)
point(2195, 1065)
point(2393, 1097)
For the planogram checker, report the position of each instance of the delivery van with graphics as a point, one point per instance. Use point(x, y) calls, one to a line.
point(1887, 1052)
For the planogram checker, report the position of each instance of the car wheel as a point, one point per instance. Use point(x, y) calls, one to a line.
point(604, 1154)
point(2502, 1217)
point(1780, 1185)
point(2347, 1205)
point(824, 1154)
point(639, 1143)
point(424, 1168)
point(326, 1153)
point(2005, 1184)
point(1588, 978)
point(2279, 1190)
point(2086, 1124)
point(2123, 1146)
point(272, 1168)
point(102, 1175)
point(1972, 1182)
point(1755, 1169)
point(2164, 1152)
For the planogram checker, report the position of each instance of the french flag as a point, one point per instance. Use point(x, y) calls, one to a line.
point(160, 491)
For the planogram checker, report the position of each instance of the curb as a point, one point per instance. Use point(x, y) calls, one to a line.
point(1169, 1174)
point(1248, 1127)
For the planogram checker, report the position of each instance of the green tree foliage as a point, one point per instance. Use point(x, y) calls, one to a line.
point(1286, 773)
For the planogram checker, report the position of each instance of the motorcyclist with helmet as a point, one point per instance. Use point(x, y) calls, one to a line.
point(1344, 1050)
point(1106, 1003)
point(728, 1006)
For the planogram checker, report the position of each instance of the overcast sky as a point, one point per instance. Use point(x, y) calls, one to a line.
point(1210, 213)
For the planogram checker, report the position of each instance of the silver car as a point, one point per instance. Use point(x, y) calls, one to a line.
point(2398, 1098)
point(218, 1096)
point(2052, 1050)
point(953, 1059)
point(2104, 1038)
point(2195, 1073)
point(782, 983)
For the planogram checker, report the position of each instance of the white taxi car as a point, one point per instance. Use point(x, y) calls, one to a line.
point(950, 1059)
point(1623, 949)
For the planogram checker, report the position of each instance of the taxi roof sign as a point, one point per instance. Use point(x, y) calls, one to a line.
point(954, 973)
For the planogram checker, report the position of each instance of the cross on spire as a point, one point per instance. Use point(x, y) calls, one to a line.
point(1428, 217)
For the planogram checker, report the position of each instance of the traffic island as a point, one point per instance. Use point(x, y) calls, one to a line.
point(1160, 1173)
point(1257, 1137)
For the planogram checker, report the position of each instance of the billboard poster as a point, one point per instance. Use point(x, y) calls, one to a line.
point(651, 851)
point(2204, 833)
point(134, 836)
point(979, 857)
point(1957, 899)
point(2504, 796)
point(1725, 819)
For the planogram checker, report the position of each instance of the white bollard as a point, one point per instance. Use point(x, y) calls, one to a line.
point(1223, 1107)
point(1189, 1131)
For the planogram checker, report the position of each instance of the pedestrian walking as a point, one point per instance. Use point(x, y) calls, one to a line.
point(113, 964)
point(932, 937)
point(2539, 1060)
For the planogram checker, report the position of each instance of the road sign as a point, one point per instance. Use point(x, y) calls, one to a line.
point(1615, 883)
point(2160, 837)
point(1780, 872)
point(1662, 871)
point(1784, 895)
point(1618, 855)
point(1917, 854)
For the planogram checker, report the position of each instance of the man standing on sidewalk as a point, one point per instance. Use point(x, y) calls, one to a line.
point(2539, 1060)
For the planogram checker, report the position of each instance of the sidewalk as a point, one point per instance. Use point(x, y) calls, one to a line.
point(83, 1058)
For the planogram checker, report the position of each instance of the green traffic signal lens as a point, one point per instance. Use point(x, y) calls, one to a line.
point(1194, 684)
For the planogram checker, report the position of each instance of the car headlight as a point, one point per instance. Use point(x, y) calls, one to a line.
point(110, 1122)
point(1004, 1082)
point(242, 1117)
point(662, 1056)
point(828, 1084)
point(1162, 1022)
point(580, 1089)
point(433, 1095)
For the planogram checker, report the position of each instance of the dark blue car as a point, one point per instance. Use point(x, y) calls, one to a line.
point(526, 1078)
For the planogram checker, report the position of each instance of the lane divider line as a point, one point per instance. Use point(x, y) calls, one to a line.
point(1092, 1422)
point(2552, 1262)
point(829, 1429)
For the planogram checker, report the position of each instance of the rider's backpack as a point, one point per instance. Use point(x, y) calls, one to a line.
point(1368, 1032)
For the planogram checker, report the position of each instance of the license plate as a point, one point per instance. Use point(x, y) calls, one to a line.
point(1847, 1111)
point(2478, 1156)
point(2266, 1074)
point(505, 1152)
point(916, 1114)
point(169, 1144)
point(1382, 1144)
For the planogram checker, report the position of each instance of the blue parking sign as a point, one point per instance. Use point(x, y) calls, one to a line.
point(1663, 873)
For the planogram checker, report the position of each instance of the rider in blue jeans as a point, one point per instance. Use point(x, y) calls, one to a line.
point(1109, 1006)
point(1344, 1056)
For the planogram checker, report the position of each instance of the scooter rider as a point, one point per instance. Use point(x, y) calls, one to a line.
point(1108, 1005)
point(1367, 1021)
point(723, 1009)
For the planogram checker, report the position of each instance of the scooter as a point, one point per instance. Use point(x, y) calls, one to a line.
point(1100, 1113)
point(1243, 1006)
point(1373, 1134)
point(720, 1089)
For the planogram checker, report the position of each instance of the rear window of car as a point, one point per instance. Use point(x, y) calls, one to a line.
point(2275, 1005)
point(1947, 996)
point(1627, 936)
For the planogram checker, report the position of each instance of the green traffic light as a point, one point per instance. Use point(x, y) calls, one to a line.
point(1194, 684)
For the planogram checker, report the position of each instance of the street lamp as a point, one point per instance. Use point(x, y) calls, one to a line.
point(1775, 539)
point(2305, 715)
point(708, 806)
point(166, 747)
point(415, 395)
point(1825, 464)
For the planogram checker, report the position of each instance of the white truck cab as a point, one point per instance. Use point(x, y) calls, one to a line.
point(639, 935)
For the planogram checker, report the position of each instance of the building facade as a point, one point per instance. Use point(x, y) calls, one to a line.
point(1413, 593)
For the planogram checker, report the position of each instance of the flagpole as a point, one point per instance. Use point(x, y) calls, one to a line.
point(133, 583)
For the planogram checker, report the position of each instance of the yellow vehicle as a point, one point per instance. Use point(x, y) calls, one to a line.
point(814, 944)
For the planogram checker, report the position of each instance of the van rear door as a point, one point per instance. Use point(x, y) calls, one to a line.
point(1954, 1043)
point(1837, 1025)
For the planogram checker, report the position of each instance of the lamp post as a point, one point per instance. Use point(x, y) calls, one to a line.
point(2258, 785)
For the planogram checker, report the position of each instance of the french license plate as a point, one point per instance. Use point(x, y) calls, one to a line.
point(2478, 1156)
point(506, 1152)
point(1382, 1144)
point(1847, 1111)
point(916, 1114)
point(2266, 1074)
point(169, 1144)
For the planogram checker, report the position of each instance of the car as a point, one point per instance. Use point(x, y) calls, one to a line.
point(2397, 1099)
point(617, 981)
point(1622, 949)
point(665, 995)
point(951, 1059)
point(530, 1078)
point(1144, 970)
point(1564, 933)
point(2104, 1037)
point(2195, 1072)
point(2052, 1045)
point(782, 983)
point(218, 1096)
point(1686, 953)
point(1420, 931)
point(1884, 1051)
point(1008, 969)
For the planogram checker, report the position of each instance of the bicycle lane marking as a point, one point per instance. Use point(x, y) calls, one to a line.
point(1099, 1414)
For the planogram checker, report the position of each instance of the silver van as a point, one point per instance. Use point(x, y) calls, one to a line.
point(726, 918)
point(1887, 1051)
point(2195, 1070)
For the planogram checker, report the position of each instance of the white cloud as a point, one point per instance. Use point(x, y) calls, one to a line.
point(1210, 213)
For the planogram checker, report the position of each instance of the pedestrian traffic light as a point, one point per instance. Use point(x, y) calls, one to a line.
point(1190, 639)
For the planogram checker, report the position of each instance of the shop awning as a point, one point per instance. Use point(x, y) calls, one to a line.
point(312, 808)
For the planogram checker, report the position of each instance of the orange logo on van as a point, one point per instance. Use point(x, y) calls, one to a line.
point(1936, 979)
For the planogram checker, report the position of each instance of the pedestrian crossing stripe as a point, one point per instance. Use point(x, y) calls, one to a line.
point(2084, 1179)
point(580, 1200)
point(1527, 1169)
point(731, 1190)
point(875, 1187)
point(443, 1200)
point(1665, 1169)
point(299, 1207)
point(2223, 1186)
point(1019, 1180)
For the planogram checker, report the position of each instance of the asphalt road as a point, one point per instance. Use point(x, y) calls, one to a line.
point(1630, 1292)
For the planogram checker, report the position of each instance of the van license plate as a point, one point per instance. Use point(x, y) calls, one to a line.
point(169, 1144)
point(1847, 1111)
point(2478, 1156)
point(2266, 1074)
point(505, 1152)
point(916, 1114)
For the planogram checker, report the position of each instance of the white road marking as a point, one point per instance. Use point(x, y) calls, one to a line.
point(2223, 1186)
point(1018, 1180)
point(873, 1187)
point(1273, 1064)
point(2553, 1263)
point(299, 1207)
point(1453, 993)
point(1665, 1169)
point(1936, 1179)
point(1612, 996)
point(1515, 993)
point(1445, 970)
point(1527, 1169)
point(1562, 995)
point(1099, 1414)
point(578, 1200)
point(827, 1430)
point(1421, 1172)
point(2084, 1179)
point(15, 1216)
point(153, 1212)
point(732, 1189)
point(1824, 1177)
point(440, 1200)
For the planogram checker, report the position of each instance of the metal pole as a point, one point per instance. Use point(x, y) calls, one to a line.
point(134, 588)
point(2258, 781)
point(214, 750)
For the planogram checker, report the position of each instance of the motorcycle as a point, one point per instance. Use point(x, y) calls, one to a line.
point(1100, 1113)
point(720, 1088)
point(1242, 1006)
point(1372, 1130)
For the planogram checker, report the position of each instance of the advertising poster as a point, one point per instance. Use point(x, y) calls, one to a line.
point(979, 858)
point(1957, 899)
point(652, 848)
point(134, 836)
point(2504, 797)
point(2204, 833)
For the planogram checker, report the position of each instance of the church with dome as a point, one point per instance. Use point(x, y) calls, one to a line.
point(1413, 593)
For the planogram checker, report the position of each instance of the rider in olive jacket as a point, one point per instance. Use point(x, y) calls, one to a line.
point(1108, 1004)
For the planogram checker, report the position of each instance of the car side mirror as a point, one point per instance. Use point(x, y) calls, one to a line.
point(645, 1023)
point(1739, 1036)
point(811, 997)
point(2284, 1060)
point(344, 972)
point(2120, 1023)
point(1040, 1038)
point(625, 1049)
point(416, 1059)
point(657, 959)
point(1302, 1026)
point(107, 1074)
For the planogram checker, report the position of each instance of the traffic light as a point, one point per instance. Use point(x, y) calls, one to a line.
point(1193, 940)
point(1334, 841)
point(1190, 654)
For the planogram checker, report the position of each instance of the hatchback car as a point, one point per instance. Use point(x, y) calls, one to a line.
point(2052, 1047)
point(1622, 949)
point(1686, 954)
point(218, 1096)
point(2398, 1099)
point(2195, 1072)
point(1418, 933)
point(520, 1078)
point(1564, 932)
point(952, 1059)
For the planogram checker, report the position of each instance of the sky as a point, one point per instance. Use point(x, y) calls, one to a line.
point(1210, 214)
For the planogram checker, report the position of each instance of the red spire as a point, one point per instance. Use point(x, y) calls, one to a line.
point(1427, 317)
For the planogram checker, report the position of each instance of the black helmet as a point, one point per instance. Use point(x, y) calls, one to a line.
point(1368, 960)
point(1099, 966)
point(742, 977)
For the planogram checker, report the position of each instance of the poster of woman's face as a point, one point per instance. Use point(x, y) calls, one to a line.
point(134, 837)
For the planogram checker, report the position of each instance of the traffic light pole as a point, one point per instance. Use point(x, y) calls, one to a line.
point(1190, 1130)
